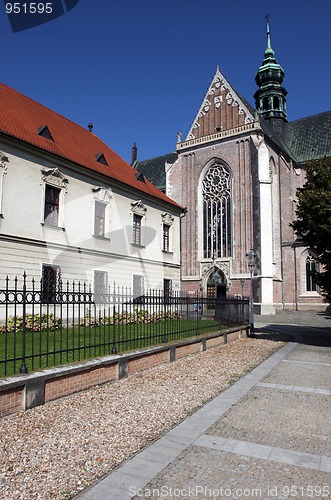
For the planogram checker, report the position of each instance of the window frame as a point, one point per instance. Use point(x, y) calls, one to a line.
point(100, 293)
point(48, 222)
point(136, 229)
point(167, 289)
point(310, 277)
point(53, 179)
point(50, 290)
point(138, 288)
point(166, 238)
point(101, 232)
point(217, 210)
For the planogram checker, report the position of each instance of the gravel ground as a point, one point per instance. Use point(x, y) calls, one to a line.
point(56, 450)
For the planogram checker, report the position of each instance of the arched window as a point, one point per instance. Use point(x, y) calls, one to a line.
point(276, 102)
point(216, 191)
point(310, 274)
point(265, 103)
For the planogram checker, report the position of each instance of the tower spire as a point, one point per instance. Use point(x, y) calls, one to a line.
point(268, 31)
point(270, 98)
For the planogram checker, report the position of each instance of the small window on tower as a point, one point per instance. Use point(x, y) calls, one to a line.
point(276, 102)
point(265, 103)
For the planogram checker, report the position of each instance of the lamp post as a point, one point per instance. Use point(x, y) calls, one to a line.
point(242, 282)
point(251, 260)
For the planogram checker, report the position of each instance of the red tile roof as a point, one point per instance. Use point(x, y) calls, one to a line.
point(21, 117)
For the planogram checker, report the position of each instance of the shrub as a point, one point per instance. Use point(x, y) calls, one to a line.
point(33, 323)
point(141, 316)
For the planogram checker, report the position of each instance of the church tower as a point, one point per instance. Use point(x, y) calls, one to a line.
point(270, 98)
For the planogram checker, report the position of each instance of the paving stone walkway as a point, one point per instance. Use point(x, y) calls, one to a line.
point(267, 436)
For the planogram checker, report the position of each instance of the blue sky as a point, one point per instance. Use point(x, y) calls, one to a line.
point(138, 70)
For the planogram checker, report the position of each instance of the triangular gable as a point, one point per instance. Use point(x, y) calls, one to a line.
point(222, 109)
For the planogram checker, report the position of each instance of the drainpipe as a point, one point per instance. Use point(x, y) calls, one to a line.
point(281, 235)
point(182, 215)
point(295, 278)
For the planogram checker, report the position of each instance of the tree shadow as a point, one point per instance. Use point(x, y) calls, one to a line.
point(307, 335)
point(325, 314)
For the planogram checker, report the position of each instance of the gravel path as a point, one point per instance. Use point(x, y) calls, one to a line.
point(56, 450)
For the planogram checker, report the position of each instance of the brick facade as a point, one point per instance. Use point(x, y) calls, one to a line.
point(264, 182)
point(68, 384)
point(11, 401)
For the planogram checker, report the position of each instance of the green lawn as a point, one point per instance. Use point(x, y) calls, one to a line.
point(55, 347)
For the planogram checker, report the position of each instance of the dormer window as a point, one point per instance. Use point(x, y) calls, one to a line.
point(139, 176)
point(101, 159)
point(44, 132)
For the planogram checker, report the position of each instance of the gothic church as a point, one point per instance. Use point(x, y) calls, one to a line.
point(237, 172)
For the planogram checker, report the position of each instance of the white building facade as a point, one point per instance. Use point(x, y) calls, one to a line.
point(71, 208)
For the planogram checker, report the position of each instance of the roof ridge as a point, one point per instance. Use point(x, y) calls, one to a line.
point(159, 156)
point(310, 116)
point(47, 108)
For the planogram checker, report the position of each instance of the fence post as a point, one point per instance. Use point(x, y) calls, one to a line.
point(197, 311)
point(114, 350)
point(162, 298)
point(24, 368)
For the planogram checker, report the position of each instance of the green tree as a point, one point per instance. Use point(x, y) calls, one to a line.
point(313, 223)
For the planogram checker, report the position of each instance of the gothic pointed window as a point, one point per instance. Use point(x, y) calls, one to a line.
point(310, 274)
point(216, 191)
point(276, 103)
point(265, 104)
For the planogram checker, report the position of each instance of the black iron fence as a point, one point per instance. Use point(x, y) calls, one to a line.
point(48, 324)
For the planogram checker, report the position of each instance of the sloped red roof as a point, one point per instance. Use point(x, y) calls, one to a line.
point(21, 117)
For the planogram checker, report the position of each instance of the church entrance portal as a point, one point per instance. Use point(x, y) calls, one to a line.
point(216, 285)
